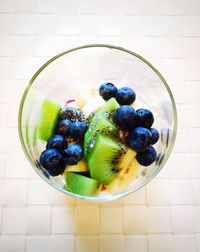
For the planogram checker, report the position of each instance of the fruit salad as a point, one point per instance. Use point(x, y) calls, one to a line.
point(98, 144)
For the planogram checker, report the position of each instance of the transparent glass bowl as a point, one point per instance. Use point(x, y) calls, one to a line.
point(59, 79)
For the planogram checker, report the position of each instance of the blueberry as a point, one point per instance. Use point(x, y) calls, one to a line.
point(107, 91)
point(77, 130)
point(148, 157)
point(73, 154)
point(58, 142)
point(52, 161)
point(125, 96)
point(144, 118)
point(125, 117)
point(63, 127)
point(139, 139)
point(72, 114)
point(155, 135)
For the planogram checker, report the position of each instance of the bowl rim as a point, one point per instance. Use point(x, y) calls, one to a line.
point(107, 197)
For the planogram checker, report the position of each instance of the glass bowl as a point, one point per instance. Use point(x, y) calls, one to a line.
point(59, 79)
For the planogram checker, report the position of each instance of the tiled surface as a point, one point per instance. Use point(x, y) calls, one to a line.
point(164, 215)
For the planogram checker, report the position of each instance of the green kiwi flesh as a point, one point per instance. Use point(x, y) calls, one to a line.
point(99, 124)
point(80, 184)
point(49, 115)
point(103, 161)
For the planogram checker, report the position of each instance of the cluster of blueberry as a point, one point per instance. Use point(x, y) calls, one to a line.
point(58, 154)
point(137, 124)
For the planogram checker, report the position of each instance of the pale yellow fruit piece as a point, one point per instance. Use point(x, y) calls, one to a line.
point(126, 158)
point(84, 93)
point(81, 166)
point(125, 177)
point(93, 105)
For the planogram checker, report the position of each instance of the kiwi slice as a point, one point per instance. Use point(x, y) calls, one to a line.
point(103, 160)
point(99, 124)
point(80, 184)
point(49, 115)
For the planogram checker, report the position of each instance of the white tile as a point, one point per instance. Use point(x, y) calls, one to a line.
point(6, 46)
point(39, 218)
point(63, 221)
point(171, 47)
point(46, 6)
point(182, 141)
point(67, 25)
point(192, 67)
point(88, 25)
point(17, 166)
point(198, 242)
point(6, 24)
point(67, 6)
point(184, 243)
point(136, 198)
point(2, 165)
point(5, 64)
point(85, 215)
point(115, 203)
point(130, 26)
point(40, 193)
point(11, 189)
point(10, 140)
point(183, 219)
point(1, 219)
point(193, 94)
point(179, 89)
point(46, 46)
point(4, 140)
point(151, 47)
point(158, 192)
point(10, 243)
point(182, 110)
point(135, 220)
point(172, 7)
point(12, 115)
point(197, 219)
point(179, 166)
point(194, 164)
point(158, 219)
point(62, 200)
point(191, 26)
point(109, 243)
point(181, 192)
point(99, 7)
point(140, 7)
point(38, 243)
point(109, 25)
point(173, 26)
point(3, 115)
point(174, 69)
point(14, 221)
point(111, 220)
point(191, 47)
point(7, 6)
point(62, 243)
point(151, 26)
point(194, 120)
point(160, 242)
point(139, 243)
point(87, 244)
point(24, 24)
point(45, 25)
point(196, 191)
point(23, 46)
point(23, 6)
point(194, 135)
